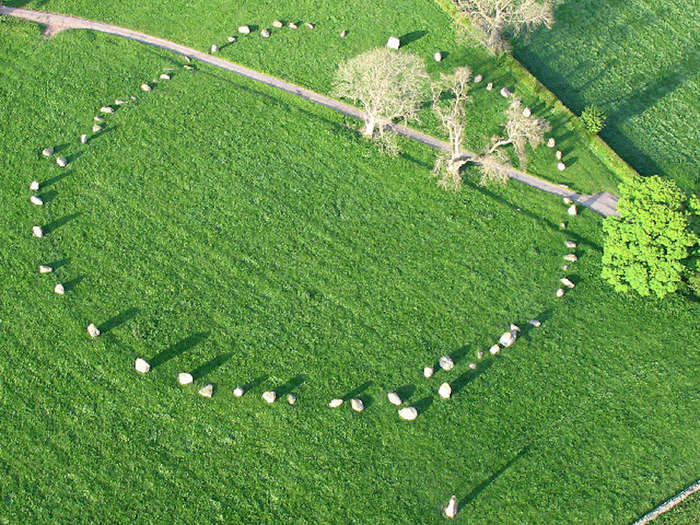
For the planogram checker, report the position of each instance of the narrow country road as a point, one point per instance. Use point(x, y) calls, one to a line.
point(603, 203)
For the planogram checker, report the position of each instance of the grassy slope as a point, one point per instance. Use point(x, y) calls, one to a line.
point(638, 61)
point(257, 228)
point(310, 57)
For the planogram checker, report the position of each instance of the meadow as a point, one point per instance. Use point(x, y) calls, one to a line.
point(221, 227)
point(638, 61)
point(310, 57)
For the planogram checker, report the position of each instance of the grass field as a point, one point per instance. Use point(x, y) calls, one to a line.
point(222, 227)
point(310, 57)
point(637, 60)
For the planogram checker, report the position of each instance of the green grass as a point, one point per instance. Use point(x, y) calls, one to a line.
point(637, 60)
point(309, 58)
point(260, 230)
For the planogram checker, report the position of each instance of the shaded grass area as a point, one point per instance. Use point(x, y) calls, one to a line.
point(310, 57)
point(231, 230)
point(637, 61)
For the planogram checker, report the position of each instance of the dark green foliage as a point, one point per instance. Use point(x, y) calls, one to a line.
point(646, 247)
point(593, 118)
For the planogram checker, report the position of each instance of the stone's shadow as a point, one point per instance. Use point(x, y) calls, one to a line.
point(203, 370)
point(357, 391)
point(69, 286)
point(411, 37)
point(423, 405)
point(469, 376)
point(526, 327)
point(478, 489)
point(177, 348)
point(104, 130)
point(53, 180)
point(48, 196)
point(54, 225)
point(286, 388)
point(58, 263)
point(459, 354)
point(56, 150)
point(255, 382)
point(405, 392)
point(117, 320)
point(74, 156)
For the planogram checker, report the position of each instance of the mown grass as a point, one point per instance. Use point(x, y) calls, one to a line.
point(219, 222)
point(310, 57)
point(637, 60)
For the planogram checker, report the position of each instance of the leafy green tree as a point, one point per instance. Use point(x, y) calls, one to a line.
point(647, 246)
point(593, 118)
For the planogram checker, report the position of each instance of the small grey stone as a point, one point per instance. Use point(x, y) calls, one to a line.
point(187, 66)
point(562, 225)
point(479, 354)
point(164, 76)
point(534, 322)
point(119, 102)
point(472, 366)
point(265, 33)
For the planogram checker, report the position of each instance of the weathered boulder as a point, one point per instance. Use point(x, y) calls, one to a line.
point(36, 201)
point(164, 76)
point(45, 269)
point(551, 142)
point(451, 508)
point(214, 48)
point(446, 363)
point(93, 330)
point(244, 30)
point(570, 244)
point(145, 87)
point(335, 403)
point(505, 92)
point(570, 257)
point(34, 185)
point(438, 56)
point(231, 38)
point(62, 161)
point(343, 33)
point(394, 398)
point(292, 25)
point(37, 231)
point(291, 398)
point(265, 33)
point(527, 112)
point(83, 139)
point(96, 128)
point(59, 289)
point(494, 349)
point(47, 152)
point(310, 25)
point(534, 322)
point(393, 43)
point(408, 413)
point(558, 154)
point(445, 391)
point(428, 371)
point(357, 404)
point(278, 24)
point(269, 396)
point(478, 78)
point(142, 366)
point(207, 390)
point(566, 282)
point(572, 210)
point(489, 86)
point(107, 109)
point(561, 166)
point(185, 378)
point(472, 366)
point(238, 391)
point(560, 292)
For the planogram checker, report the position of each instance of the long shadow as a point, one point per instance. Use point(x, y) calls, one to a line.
point(423, 405)
point(357, 391)
point(211, 365)
point(255, 382)
point(543, 317)
point(69, 286)
point(75, 156)
point(178, 348)
point(459, 354)
point(405, 392)
point(48, 196)
point(102, 132)
point(117, 320)
point(58, 263)
point(53, 180)
point(289, 386)
point(54, 225)
point(469, 376)
point(474, 493)
point(411, 37)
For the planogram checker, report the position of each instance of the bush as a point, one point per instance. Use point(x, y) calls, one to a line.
point(648, 246)
point(593, 119)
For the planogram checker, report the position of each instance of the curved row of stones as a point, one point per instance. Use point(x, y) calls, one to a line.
point(445, 363)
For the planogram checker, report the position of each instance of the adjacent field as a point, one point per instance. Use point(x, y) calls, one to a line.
point(309, 57)
point(231, 229)
point(638, 60)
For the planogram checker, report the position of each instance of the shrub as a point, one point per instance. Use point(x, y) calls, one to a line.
point(647, 246)
point(593, 118)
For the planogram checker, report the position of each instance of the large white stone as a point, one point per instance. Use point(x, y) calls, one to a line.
point(207, 390)
point(572, 210)
point(494, 349)
point(45, 269)
point(570, 244)
point(428, 371)
point(34, 186)
point(558, 154)
point(185, 378)
point(277, 23)
point(107, 109)
point(47, 152)
point(37, 231)
point(561, 166)
point(357, 404)
point(214, 48)
point(238, 391)
point(394, 398)
point(291, 398)
point(145, 87)
point(59, 289)
point(560, 292)
point(142, 366)
point(408, 413)
point(36, 201)
point(269, 396)
point(566, 282)
point(451, 508)
point(62, 162)
point(446, 363)
point(438, 56)
point(445, 391)
point(478, 78)
point(93, 330)
point(508, 338)
point(570, 257)
point(335, 403)
point(505, 92)
point(393, 42)
point(244, 30)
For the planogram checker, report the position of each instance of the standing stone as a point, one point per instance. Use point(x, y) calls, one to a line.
point(269, 396)
point(36, 201)
point(93, 330)
point(343, 33)
point(560, 292)
point(164, 76)
point(445, 391)
point(45, 269)
point(98, 119)
point(278, 24)
point(83, 139)
point(446, 363)
point(566, 282)
point(489, 86)
point(265, 33)
point(47, 152)
point(508, 338)
point(472, 366)
point(570, 244)
point(438, 57)
point(231, 38)
point(207, 390)
point(357, 404)
point(107, 109)
point(479, 354)
point(393, 43)
point(558, 154)
point(292, 25)
point(188, 67)
point(565, 267)
point(214, 48)
point(58, 289)
point(562, 226)
point(505, 92)
point(478, 78)
point(96, 128)
point(451, 508)
point(310, 25)
point(394, 398)
point(494, 349)
point(187, 59)
point(142, 366)
point(120, 102)
point(527, 112)
point(146, 87)
point(561, 166)
point(37, 232)
point(244, 30)
point(61, 161)
point(291, 398)
point(185, 378)
point(534, 322)
point(567, 201)
point(34, 186)
point(572, 210)
point(335, 403)
point(570, 257)
point(238, 391)
point(551, 142)
point(408, 413)
point(428, 371)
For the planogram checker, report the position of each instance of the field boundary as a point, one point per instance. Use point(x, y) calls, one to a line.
point(531, 83)
point(603, 203)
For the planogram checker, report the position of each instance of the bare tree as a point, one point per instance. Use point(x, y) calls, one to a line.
point(493, 19)
point(521, 130)
point(452, 115)
point(389, 85)
point(494, 167)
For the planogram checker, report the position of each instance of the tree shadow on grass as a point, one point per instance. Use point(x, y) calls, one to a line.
point(178, 348)
point(207, 368)
point(54, 225)
point(117, 320)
